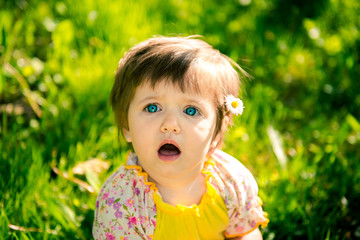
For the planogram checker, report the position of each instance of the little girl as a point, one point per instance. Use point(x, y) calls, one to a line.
point(173, 99)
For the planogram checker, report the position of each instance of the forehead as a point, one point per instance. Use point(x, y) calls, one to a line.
point(164, 86)
point(199, 79)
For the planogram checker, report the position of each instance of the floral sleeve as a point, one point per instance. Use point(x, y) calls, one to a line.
point(124, 208)
point(240, 193)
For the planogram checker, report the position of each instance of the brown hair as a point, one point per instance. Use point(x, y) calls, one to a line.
point(189, 63)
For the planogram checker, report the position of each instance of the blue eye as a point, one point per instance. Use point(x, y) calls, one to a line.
point(151, 108)
point(191, 111)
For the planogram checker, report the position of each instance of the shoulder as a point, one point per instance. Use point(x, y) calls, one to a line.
point(235, 184)
point(119, 186)
point(239, 191)
point(231, 170)
point(124, 206)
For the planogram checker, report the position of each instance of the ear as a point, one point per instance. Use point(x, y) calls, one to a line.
point(216, 141)
point(127, 135)
point(214, 145)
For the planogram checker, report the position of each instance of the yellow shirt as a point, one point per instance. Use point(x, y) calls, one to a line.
point(208, 220)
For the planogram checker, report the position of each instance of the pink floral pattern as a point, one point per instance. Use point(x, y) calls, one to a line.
point(125, 208)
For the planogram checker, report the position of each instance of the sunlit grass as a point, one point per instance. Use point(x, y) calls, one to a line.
point(299, 134)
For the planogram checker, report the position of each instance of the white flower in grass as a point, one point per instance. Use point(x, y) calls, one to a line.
point(234, 105)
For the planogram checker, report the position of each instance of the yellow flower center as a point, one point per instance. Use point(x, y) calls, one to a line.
point(234, 104)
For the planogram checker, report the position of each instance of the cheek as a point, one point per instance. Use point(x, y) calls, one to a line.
point(142, 132)
point(204, 130)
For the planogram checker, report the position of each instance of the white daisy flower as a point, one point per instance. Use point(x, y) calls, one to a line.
point(234, 105)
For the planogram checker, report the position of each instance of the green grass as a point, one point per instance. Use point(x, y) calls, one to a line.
point(299, 134)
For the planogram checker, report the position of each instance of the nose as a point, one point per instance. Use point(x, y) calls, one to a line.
point(170, 124)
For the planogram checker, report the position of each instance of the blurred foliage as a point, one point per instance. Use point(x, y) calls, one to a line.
point(299, 135)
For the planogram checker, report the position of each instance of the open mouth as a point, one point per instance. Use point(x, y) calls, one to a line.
point(169, 152)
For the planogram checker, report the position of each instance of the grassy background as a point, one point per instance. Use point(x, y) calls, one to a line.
point(299, 135)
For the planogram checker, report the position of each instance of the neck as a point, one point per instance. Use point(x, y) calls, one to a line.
point(185, 190)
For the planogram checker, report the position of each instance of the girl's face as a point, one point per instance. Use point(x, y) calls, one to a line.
point(171, 131)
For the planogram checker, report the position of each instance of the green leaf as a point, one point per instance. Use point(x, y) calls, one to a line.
point(93, 179)
point(353, 122)
point(4, 228)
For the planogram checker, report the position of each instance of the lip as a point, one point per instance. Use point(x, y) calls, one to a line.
point(172, 157)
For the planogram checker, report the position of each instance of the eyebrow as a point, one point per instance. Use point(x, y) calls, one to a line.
point(151, 97)
point(191, 100)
